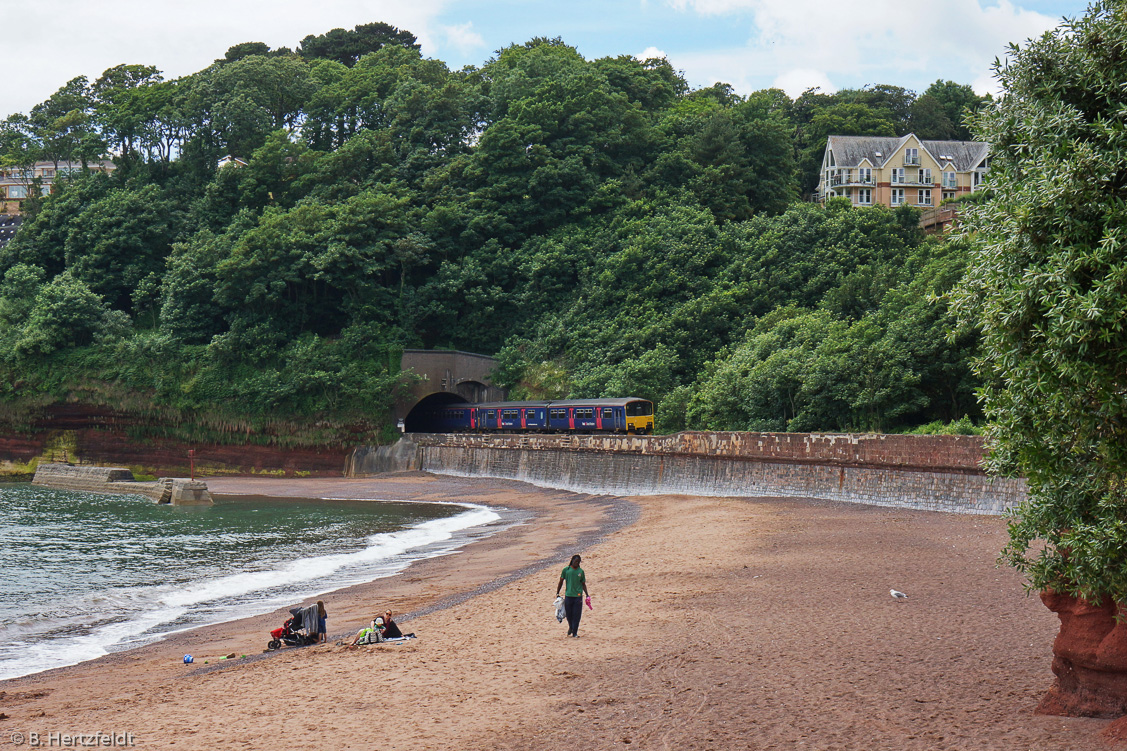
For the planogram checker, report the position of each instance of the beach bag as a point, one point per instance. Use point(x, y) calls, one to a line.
point(560, 614)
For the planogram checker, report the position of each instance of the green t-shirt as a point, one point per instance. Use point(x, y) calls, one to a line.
point(574, 578)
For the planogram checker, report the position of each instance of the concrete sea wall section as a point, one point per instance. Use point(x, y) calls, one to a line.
point(176, 491)
point(935, 473)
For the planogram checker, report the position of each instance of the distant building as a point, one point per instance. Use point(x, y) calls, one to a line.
point(230, 161)
point(870, 170)
point(17, 182)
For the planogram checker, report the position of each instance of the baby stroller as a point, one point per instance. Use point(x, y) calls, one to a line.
point(290, 632)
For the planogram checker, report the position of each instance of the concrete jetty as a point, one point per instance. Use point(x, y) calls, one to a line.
point(172, 490)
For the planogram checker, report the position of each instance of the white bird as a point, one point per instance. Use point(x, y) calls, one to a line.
point(898, 595)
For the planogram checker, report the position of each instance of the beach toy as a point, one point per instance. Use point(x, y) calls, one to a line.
point(188, 660)
point(589, 603)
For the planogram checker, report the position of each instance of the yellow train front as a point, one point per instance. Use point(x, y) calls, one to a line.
point(629, 415)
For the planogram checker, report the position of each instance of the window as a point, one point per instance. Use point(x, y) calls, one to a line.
point(510, 414)
point(863, 196)
point(911, 156)
point(558, 414)
point(950, 180)
point(948, 194)
point(924, 198)
point(639, 409)
point(897, 196)
point(925, 176)
point(897, 175)
point(865, 175)
point(17, 191)
point(490, 414)
point(585, 413)
point(608, 413)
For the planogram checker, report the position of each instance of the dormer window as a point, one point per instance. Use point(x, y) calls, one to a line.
point(911, 156)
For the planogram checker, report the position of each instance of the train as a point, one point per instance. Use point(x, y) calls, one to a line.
point(629, 415)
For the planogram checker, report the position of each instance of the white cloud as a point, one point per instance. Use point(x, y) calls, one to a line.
point(794, 39)
point(462, 38)
point(798, 80)
point(650, 53)
point(52, 41)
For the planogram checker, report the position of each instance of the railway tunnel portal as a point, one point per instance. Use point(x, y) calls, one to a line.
point(444, 377)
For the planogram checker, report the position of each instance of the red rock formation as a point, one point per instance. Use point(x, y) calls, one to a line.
point(102, 436)
point(1089, 659)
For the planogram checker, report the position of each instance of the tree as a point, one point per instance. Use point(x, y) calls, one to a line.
point(941, 112)
point(245, 49)
point(1047, 284)
point(347, 47)
point(65, 313)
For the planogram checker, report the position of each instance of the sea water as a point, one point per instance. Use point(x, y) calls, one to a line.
point(85, 574)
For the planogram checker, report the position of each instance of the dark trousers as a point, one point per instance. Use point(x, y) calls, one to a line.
point(573, 608)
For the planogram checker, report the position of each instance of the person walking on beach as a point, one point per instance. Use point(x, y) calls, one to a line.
point(576, 582)
point(322, 621)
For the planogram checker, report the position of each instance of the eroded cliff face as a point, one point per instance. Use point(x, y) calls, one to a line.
point(95, 435)
point(1089, 659)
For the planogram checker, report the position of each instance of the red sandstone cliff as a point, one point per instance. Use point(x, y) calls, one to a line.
point(102, 436)
point(1089, 659)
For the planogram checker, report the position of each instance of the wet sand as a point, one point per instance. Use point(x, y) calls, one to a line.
point(718, 624)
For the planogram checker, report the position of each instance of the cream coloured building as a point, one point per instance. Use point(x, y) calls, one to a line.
point(893, 171)
point(17, 182)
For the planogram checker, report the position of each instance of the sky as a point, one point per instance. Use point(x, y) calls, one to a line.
point(750, 44)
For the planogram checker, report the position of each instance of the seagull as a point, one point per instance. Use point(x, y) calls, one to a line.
point(898, 595)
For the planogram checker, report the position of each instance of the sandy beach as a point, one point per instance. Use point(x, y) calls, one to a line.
point(717, 624)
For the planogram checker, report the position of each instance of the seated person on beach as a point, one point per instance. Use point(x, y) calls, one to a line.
point(368, 635)
point(390, 629)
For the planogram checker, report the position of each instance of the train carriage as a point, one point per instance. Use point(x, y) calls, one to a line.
point(626, 415)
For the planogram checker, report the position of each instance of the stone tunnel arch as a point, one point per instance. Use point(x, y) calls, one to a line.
point(416, 420)
point(443, 377)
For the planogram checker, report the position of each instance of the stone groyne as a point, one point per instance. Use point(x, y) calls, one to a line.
point(176, 491)
point(935, 473)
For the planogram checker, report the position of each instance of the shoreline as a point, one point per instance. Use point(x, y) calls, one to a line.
point(718, 623)
point(414, 488)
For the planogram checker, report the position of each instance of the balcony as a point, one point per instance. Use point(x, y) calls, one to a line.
point(950, 184)
point(850, 180)
point(912, 181)
point(911, 161)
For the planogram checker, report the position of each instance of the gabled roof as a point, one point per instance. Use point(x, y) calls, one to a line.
point(965, 155)
point(850, 151)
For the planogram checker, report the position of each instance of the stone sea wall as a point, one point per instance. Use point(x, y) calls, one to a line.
point(935, 473)
point(175, 491)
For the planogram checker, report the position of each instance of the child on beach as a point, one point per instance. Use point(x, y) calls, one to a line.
point(369, 635)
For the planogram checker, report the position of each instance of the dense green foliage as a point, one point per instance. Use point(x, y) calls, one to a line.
point(1048, 287)
point(603, 227)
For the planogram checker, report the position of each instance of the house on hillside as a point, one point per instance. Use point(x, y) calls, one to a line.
point(870, 170)
point(230, 161)
point(17, 182)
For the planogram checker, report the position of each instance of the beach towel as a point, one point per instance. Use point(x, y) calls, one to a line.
point(310, 617)
point(560, 614)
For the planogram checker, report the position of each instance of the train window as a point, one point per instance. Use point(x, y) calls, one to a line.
point(608, 413)
point(558, 414)
point(585, 412)
point(639, 409)
point(510, 414)
point(490, 413)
